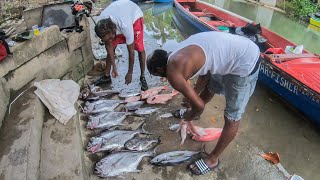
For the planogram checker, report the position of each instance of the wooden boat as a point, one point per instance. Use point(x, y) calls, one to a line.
point(295, 78)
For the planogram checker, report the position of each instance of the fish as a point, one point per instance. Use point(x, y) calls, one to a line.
point(132, 106)
point(113, 140)
point(119, 163)
point(173, 158)
point(166, 115)
point(183, 133)
point(174, 127)
point(128, 94)
point(106, 120)
point(161, 98)
point(101, 106)
point(132, 99)
point(98, 91)
point(145, 111)
point(141, 144)
point(152, 92)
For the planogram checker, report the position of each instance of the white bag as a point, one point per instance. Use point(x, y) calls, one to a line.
point(59, 97)
point(294, 50)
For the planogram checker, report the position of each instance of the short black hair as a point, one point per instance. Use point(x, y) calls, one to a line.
point(104, 27)
point(158, 59)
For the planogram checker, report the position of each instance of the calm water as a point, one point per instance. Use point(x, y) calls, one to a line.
point(168, 28)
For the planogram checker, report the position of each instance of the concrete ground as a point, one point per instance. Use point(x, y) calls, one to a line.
point(268, 125)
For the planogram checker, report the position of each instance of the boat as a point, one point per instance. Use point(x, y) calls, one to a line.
point(162, 1)
point(315, 19)
point(294, 77)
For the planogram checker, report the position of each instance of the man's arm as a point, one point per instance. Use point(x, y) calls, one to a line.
point(201, 83)
point(179, 83)
point(110, 51)
point(131, 63)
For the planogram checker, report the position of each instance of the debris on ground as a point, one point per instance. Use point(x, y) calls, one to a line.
point(272, 157)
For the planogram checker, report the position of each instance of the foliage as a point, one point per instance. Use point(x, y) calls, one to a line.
point(299, 8)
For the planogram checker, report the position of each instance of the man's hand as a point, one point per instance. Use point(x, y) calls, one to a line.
point(114, 73)
point(191, 129)
point(128, 78)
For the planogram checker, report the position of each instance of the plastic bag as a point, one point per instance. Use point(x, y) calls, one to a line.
point(59, 97)
point(294, 50)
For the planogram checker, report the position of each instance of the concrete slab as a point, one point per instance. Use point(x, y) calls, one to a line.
point(33, 17)
point(76, 40)
point(61, 152)
point(20, 139)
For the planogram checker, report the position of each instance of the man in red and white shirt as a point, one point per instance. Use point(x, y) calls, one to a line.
point(122, 22)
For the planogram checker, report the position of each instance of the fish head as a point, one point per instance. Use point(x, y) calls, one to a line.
point(93, 123)
point(95, 144)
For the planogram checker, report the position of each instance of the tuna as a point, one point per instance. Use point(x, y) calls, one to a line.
point(161, 98)
point(128, 94)
point(106, 120)
point(166, 115)
point(145, 111)
point(142, 144)
point(174, 127)
point(117, 164)
point(101, 106)
point(152, 92)
point(173, 158)
point(112, 140)
point(132, 106)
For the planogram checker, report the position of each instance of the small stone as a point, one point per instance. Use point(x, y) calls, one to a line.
point(257, 110)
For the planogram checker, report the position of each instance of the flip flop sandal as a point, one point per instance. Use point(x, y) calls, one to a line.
point(202, 167)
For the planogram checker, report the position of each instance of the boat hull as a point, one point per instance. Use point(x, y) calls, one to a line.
point(162, 1)
point(295, 93)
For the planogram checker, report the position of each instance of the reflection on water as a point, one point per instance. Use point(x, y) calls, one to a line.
point(275, 21)
point(159, 25)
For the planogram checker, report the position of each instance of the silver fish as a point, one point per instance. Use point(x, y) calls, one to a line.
point(173, 158)
point(98, 91)
point(106, 120)
point(131, 106)
point(141, 144)
point(145, 111)
point(101, 106)
point(166, 115)
point(117, 164)
point(183, 133)
point(174, 127)
point(112, 140)
point(128, 94)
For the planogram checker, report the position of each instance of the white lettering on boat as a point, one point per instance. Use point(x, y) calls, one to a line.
point(284, 82)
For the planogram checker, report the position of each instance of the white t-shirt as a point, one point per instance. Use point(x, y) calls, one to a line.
point(123, 13)
point(225, 53)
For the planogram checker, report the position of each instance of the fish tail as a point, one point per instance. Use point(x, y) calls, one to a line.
point(142, 130)
point(159, 140)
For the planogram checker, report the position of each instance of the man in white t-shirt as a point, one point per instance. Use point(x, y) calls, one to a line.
point(233, 59)
point(122, 22)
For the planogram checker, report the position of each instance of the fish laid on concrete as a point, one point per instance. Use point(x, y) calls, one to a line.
point(132, 106)
point(166, 115)
point(173, 158)
point(161, 98)
point(101, 106)
point(112, 140)
point(145, 111)
point(106, 120)
point(152, 92)
point(128, 94)
point(98, 91)
point(142, 144)
point(174, 127)
point(132, 99)
point(117, 164)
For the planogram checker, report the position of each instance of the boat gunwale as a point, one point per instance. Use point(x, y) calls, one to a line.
point(302, 87)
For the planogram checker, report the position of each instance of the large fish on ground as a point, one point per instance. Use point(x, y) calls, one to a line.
point(117, 164)
point(128, 94)
point(101, 106)
point(152, 92)
point(141, 144)
point(106, 120)
point(98, 91)
point(132, 106)
point(112, 140)
point(173, 158)
point(161, 98)
point(145, 111)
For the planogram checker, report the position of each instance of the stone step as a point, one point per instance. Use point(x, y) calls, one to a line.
point(62, 155)
point(20, 139)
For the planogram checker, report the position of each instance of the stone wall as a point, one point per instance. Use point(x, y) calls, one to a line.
point(52, 54)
